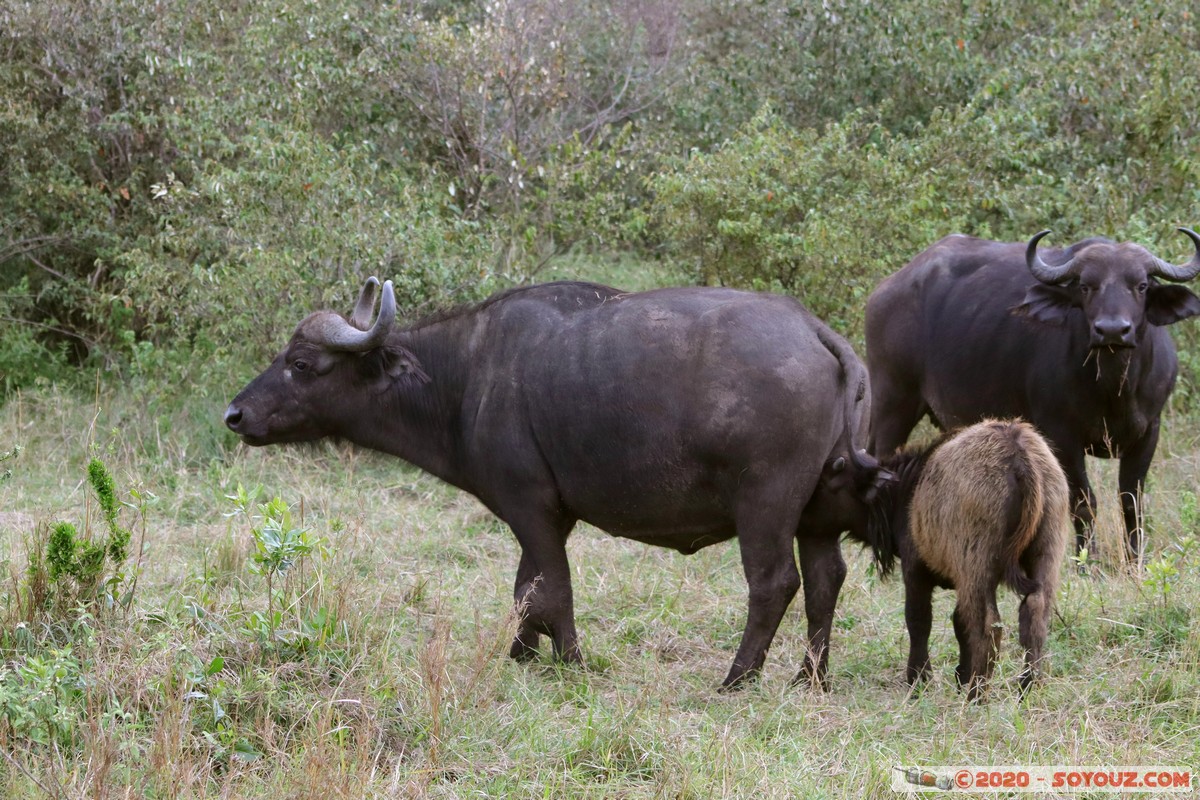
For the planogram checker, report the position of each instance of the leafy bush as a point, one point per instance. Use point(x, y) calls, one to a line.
point(82, 567)
point(825, 217)
point(180, 184)
point(41, 698)
point(1089, 142)
point(180, 181)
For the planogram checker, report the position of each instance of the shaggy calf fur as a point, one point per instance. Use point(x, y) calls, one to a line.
point(981, 505)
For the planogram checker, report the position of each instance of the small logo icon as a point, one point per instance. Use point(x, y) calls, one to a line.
point(923, 777)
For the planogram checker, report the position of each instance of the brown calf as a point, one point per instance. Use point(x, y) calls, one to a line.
point(982, 505)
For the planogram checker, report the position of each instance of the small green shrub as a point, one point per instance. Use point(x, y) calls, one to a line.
point(41, 697)
point(84, 567)
point(293, 621)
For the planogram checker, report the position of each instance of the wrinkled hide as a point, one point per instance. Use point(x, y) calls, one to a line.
point(679, 418)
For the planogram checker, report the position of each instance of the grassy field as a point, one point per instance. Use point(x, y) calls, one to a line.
point(387, 674)
point(377, 665)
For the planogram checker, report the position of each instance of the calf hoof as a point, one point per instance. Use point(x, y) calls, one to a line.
point(915, 676)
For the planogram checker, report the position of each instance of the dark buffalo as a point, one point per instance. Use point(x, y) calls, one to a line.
point(1073, 340)
point(678, 417)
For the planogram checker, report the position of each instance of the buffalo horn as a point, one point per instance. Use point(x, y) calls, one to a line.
point(337, 334)
point(1040, 269)
point(361, 318)
point(1180, 272)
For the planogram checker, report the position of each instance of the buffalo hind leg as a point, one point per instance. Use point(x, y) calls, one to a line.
point(542, 591)
point(895, 412)
point(766, 520)
point(822, 571)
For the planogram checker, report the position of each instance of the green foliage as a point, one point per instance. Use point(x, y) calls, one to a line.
point(179, 187)
point(1163, 572)
point(825, 217)
point(8, 455)
point(83, 568)
point(40, 697)
point(181, 184)
point(60, 552)
point(280, 546)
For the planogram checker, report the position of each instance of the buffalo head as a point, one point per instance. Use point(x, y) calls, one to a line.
point(1115, 285)
point(330, 363)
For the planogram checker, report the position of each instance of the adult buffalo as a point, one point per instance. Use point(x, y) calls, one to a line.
point(955, 334)
point(677, 417)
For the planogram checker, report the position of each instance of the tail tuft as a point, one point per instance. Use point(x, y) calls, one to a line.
point(1018, 581)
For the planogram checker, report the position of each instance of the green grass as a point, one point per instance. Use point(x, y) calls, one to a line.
point(410, 692)
point(392, 679)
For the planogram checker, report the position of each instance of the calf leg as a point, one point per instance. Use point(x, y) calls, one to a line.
point(978, 619)
point(766, 517)
point(822, 570)
point(918, 618)
point(1043, 561)
point(1034, 617)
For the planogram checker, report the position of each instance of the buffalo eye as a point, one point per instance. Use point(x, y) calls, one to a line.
point(300, 365)
point(1084, 289)
point(1141, 287)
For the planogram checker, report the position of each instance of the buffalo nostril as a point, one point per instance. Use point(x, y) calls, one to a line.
point(233, 416)
point(1109, 329)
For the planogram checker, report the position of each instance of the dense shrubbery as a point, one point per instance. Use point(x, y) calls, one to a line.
point(182, 182)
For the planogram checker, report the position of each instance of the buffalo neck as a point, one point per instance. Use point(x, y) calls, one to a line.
point(1117, 373)
point(1115, 383)
point(415, 415)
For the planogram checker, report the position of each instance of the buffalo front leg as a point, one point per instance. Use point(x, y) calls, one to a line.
point(766, 528)
point(542, 591)
point(1135, 463)
point(525, 644)
point(1082, 498)
point(822, 571)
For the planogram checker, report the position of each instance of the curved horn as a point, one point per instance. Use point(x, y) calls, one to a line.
point(1040, 269)
point(337, 334)
point(1181, 272)
point(361, 318)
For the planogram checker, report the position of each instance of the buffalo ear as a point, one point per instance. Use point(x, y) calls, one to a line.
point(399, 362)
point(1045, 303)
point(1169, 304)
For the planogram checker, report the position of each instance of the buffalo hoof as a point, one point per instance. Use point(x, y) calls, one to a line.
point(811, 678)
point(522, 652)
point(735, 683)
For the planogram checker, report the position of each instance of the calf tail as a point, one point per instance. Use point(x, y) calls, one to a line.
point(1029, 496)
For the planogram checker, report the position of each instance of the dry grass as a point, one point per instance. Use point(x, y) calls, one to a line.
point(413, 695)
